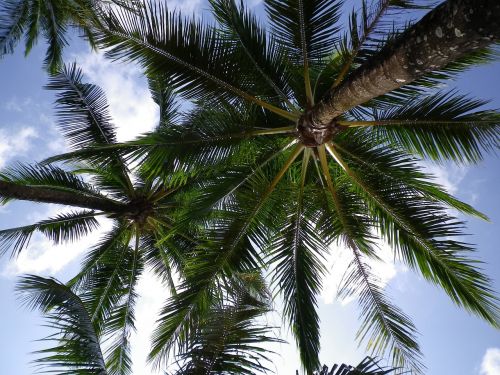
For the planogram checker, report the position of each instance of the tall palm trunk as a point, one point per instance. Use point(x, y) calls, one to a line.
point(50, 195)
point(447, 33)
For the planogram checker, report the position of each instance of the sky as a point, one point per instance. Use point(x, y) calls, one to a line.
point(453, 342)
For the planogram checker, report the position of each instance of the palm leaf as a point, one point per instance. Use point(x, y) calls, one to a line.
point(13, 17)
point(62, 228)
point(384, 326)
point(444, 126)
point(78, 346)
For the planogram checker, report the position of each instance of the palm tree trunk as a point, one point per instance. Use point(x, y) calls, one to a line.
point(447, 33)
point(47, 195)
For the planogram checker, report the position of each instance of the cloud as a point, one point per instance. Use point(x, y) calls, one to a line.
point(42, 256)
point(130, 104)
point(338, 261)
point(490, 364)
point(152, 294)
point(14, 144)
point(449, 176)
point(185, 6)
point(17, 105)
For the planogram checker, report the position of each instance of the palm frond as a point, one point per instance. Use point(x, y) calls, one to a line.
point(308, 29)
point(444, 126)
point(163, 95)
point(384, 326)
point(368, 366)
point(228, 339)
point(120, 323)
point(297, 254)
point(13, 18)
point(187, 51)
point(423, 235)
point(54, 24)
point(82, 109)
point(61, 228)
point(248, 39)
point(78, 345)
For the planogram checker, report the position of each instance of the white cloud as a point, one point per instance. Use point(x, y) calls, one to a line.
point(15, 143)
point(17, 105)
point(131, 107)
point(490, 364)
point(338, 261)
point(449, 176)
point(187, 7)
point(42, 256)
point(152, 295)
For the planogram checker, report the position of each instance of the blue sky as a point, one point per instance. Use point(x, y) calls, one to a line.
point(453, 342)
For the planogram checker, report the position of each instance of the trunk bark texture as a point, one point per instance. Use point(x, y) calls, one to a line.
point(450, 31)
point(47, 195)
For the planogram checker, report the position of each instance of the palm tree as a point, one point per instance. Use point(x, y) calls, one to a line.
point(316, 133)
point(237, 349)
point(52, 18)
point(142, 211)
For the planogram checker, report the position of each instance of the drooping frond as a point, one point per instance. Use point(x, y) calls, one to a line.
point(13, 17)
point(423, 235)
point(54, 23)
point(296, 255)
point(368, 366)
point(163, 95)
point(384, 326)
point(228, 339)
point(399, 168)
point(82, 109)
point(61, 228)
point(120, 323)
point(77, 347)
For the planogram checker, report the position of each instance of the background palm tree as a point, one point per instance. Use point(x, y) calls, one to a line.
point(229, 340)
point(142, 212)
point(316, 132)
point(52, 18)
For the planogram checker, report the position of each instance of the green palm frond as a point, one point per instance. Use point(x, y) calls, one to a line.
point(48, 176)
point(368, 366)
point(82, 109)
point(120, 323)
point(422, 233)
point(61, 228)
point(187, 51)
point(384, 326)
point(77, 347)
point(164, 96)
point(398, 168)
point(297, 256)
point(445, 126)
point(54, 27)
point(248, 39)
point(13, 16)
point(228, 338)
point(308, 29)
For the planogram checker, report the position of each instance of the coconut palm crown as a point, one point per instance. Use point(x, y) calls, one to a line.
point(142, 212)
point(317, 130)
point(52, 19)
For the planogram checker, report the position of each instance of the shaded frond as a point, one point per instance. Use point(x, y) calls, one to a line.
point(77, 347)
point(61, 228)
